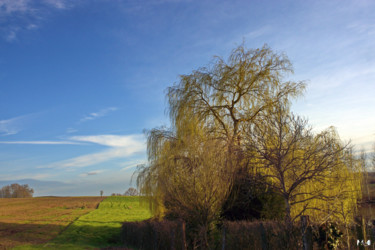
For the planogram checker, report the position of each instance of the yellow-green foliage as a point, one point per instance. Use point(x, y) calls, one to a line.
point(235, 115)
point(208, 109)
point(187, 178)
point(315, 173)
point(337, 192)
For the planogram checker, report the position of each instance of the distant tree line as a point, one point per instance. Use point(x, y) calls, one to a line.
point(130, 192)
point(16, 191)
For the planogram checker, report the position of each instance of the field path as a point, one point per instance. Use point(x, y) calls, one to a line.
point(100, 228)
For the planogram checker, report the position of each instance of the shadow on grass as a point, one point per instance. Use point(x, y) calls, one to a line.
point(37, 236)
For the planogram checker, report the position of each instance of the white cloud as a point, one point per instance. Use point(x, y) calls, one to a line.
point(120, 147)
point(96, 158)
point(112, 140)
point(41, 142)
point(133, 164)
point(95, 115)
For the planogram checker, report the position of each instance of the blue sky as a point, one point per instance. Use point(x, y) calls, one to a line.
point(81, 80)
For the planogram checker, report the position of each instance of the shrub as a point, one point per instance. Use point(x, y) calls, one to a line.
point(261, 235)
point(166, 234)
point(152, 234)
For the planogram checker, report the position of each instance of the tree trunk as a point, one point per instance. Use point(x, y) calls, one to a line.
point(288, 217)
point(183, 229)
point(306, 233)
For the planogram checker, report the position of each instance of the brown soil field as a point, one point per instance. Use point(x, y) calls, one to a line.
point(38, 220)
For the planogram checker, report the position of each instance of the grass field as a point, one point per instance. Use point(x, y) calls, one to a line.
point(38, 220)
point(100, 228)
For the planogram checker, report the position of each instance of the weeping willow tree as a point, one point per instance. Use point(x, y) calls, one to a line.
point(315, 173)
point(225, 119)
point(220, 99)
point(191, 165)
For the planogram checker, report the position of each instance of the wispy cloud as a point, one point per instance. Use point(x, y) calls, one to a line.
point(362, 28)
point(7, 127)
point(258, 32)
point(24, 176)
point(71, 130)
point(133, 164)
point(95, 115)
point(120, 147)
point(58, 4)
point(112, 140)
point(336, 76)
point(96, 158)
point(22, 15)
point(94, 172)
point(13, 125)
point(41, 142)
point(10, 6)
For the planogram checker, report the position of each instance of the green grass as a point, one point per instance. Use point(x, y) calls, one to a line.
point(99, 228)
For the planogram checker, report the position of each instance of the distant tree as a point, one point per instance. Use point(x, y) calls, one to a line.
point(131, 192)
point(101, 193)
point(16, 191)
point(5, 192)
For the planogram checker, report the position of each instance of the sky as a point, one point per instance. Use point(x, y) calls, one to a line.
point(80, 80)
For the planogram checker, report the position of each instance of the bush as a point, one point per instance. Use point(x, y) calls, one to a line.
point(261, 235)
point(152, 234)
point(328, 235)
point(166, 234)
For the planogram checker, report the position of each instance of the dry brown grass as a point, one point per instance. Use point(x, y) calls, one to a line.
point(38, 220)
